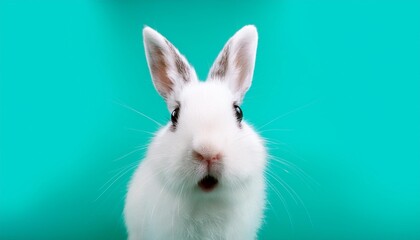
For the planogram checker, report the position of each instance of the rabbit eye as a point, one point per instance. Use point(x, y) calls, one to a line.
point(238, 112)
point(174, 116)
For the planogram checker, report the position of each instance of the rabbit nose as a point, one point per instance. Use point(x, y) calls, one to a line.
point(207, 157)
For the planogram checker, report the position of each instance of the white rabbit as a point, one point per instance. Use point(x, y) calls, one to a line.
point(203, 175)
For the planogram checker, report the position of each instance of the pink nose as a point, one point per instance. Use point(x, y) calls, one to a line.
point(209, 158)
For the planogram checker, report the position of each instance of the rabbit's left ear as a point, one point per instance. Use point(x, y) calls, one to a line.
point(235, 63)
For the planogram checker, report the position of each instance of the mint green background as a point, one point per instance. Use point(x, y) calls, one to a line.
point(345, 76)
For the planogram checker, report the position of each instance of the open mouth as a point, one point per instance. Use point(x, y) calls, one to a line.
point(208, 183)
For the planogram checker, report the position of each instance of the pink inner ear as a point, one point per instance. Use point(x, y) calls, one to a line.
point(221, 66)
point(243, 64)
point(159, 70)
point(181, 66)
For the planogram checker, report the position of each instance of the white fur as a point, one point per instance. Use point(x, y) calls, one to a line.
point(164, 200)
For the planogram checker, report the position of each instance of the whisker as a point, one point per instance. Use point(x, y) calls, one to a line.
point(277, 130)
point(157, 200)
point(124, 170)
point(283, 201)
point(273, 210)
point(308, 180)
point(271, 174)
point(287, 113)
point(121, 175)
point(142, 131)
point(297, 199)
point(138, 112)
point(120, 170)
point(270, 141)
point(129, 153)
point(302, 159)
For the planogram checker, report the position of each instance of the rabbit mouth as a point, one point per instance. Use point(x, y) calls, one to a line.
point(208, 183)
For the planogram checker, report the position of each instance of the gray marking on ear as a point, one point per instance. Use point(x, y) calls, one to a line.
point(222, 64)
point(181, 68)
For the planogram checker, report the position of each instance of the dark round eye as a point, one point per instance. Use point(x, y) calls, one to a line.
point(238, 112)
point(174, 116)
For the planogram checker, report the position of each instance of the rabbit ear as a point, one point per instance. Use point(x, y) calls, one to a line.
point(235, 63)
point(169, 69)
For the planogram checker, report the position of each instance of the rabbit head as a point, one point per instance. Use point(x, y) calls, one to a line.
point(207, 147)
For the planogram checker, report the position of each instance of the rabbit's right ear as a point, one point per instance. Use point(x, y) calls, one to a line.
point(169, 69)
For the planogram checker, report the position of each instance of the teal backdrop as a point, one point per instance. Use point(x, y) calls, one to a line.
point(338, 83)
